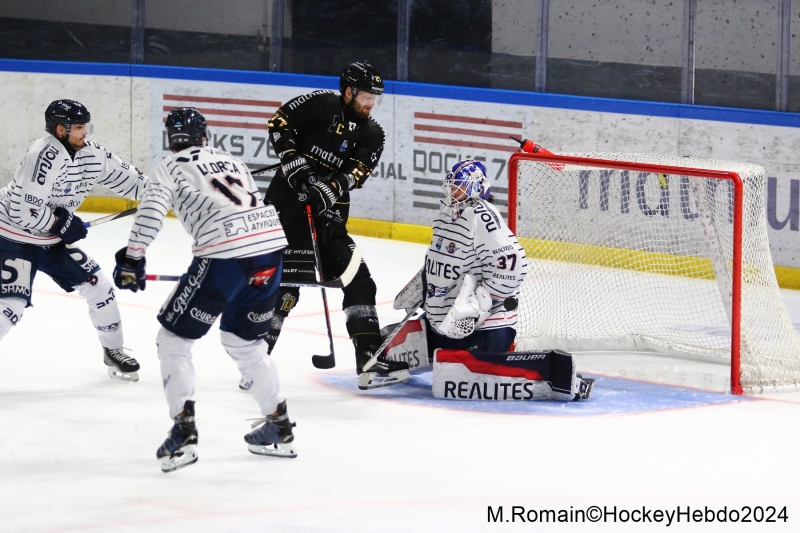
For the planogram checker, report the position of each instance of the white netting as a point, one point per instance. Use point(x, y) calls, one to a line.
point(637, 261)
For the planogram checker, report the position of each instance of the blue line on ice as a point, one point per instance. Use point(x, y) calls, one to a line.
point(609, 396)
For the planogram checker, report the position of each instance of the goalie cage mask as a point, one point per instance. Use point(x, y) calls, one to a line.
point(467, 176)
point(186, 126)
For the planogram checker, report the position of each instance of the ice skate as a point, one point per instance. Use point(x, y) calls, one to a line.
point(382, 374)
point(584, 388)
point(120, 365)
point(274, 437)
point(180, 448)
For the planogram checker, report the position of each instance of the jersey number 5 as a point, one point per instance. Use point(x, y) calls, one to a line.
point(229, 194)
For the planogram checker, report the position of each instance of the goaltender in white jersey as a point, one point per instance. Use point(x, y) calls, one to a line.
point(235, 275)
point(38, 227)
point(470, 286)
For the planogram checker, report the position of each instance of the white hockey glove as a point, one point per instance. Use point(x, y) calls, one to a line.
point(471, 308)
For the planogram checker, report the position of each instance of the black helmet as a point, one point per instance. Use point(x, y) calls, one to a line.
point(361, 77)
point(186, 126)
point(66, 113)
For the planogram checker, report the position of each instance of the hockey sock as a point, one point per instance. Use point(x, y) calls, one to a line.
point(177, 369)
point(10, 313)
point(362, 326)
point(103, 310)
point(287, 299)
point(256, 366)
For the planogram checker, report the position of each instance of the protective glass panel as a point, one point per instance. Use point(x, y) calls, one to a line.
point(79, 30)
point(208, 33)
point(327, 36)
point(632, 50)
point(794, 61)
point(735, 53)
point(451, 42)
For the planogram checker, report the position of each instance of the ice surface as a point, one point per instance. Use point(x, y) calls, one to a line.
point(77, 448)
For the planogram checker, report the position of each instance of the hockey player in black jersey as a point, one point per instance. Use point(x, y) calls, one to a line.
point(329, 145)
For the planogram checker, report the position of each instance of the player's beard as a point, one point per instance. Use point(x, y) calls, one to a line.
point(361, 111)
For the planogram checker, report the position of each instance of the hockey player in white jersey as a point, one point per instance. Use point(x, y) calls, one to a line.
point(38, 227)
point(235, 273)
point(469, 286)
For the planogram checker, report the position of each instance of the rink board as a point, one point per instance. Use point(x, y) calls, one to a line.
point(610, 396)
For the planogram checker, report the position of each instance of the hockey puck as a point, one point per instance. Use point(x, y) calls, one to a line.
point(510, 303)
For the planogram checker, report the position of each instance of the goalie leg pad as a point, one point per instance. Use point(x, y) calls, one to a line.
point(409, 344)
point(464, 375)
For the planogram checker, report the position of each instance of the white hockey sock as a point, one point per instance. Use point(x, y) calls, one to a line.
point(103, 311)
point(10, 313)
point(256, 366)
point(177, 369)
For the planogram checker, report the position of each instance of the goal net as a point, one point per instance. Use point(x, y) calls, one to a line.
point(657, 267)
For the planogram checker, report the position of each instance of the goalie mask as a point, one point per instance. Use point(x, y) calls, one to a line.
point(466, 182)
point(186, 127)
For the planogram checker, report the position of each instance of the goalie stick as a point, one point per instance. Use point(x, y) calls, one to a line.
point(389, 337)
point(509, 304)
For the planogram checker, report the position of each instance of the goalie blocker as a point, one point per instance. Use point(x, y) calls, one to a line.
point(473, 375)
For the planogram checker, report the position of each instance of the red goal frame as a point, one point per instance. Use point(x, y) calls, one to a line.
point(738, 202)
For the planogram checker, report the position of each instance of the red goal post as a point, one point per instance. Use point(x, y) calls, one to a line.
point(556, 165)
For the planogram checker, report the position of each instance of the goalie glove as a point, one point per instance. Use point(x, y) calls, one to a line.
point(470, 310)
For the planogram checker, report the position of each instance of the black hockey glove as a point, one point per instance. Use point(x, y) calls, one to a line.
point(129, 274)
point(297, 171)
point(319, 196)
point(67, 226)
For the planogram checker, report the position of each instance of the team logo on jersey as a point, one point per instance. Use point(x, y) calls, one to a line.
point(434, 291)
point(451, 248)
point(260, 317)
point(352, 126)
point(202, 316)
point(262, 276)
point(343, 146)
point(439, 243)
point(288, 302)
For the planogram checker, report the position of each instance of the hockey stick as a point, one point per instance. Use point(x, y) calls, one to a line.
point(109, 218)
point(321, 361)
point(509, 304)
point(162, 277)
point(342, 281)
point(389, 337)
point(265, 169)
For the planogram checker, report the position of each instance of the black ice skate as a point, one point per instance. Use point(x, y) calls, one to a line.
point(180, 448)
point(584, 388)
point(382, 374)
point(120, 365)
point(274, 437)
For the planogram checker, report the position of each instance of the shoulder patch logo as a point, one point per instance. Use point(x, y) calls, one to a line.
point(451, 248)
